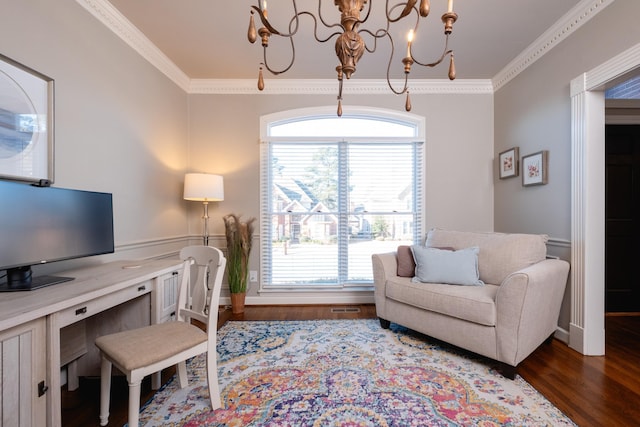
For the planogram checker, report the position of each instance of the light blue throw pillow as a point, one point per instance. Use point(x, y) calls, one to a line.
point(443, 266)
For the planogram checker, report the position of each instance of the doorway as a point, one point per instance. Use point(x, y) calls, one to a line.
point(586, 328)
point(622, 213)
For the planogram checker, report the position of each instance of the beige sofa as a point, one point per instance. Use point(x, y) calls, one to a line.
point(505, 317)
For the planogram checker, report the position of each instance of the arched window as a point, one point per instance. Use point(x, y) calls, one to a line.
point(336, 190)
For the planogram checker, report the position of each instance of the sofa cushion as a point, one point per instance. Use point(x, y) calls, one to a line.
point(500, 254)
point(406, 263)
point(472, 303)
point(442, 266)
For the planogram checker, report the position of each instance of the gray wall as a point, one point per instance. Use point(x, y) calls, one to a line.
point(533, 112)
point(224, 139)
point(121, 125)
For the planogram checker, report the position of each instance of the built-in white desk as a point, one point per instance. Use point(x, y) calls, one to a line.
point(30, 324)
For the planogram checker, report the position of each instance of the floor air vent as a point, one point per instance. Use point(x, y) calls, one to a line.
point(345, 310)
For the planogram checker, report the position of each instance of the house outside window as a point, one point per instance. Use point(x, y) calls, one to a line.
point(334, 191)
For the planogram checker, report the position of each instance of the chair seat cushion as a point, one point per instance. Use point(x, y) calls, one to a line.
point(137, 348)
point(472, 303)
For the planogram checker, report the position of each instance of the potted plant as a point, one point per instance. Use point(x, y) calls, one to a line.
point(239, 241)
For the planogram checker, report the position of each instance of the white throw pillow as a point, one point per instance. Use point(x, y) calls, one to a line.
point(442, 266)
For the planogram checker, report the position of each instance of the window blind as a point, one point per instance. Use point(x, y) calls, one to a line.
point(327, 206)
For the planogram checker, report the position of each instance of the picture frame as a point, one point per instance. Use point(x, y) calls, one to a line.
point(508, 163)
point(535, 168)
point(26, 123)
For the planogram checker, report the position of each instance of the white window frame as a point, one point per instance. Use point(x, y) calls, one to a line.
point(274, 119)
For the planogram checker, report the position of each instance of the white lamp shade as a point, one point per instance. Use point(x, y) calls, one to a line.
point(203, 187)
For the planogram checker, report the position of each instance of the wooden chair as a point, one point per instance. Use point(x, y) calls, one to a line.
point(144, 351)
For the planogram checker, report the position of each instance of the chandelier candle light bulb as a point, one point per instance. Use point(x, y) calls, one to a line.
point(409, 40)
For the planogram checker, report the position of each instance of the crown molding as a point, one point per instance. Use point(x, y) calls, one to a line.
point(563, 28)
point(330, 87)
point(106, 13)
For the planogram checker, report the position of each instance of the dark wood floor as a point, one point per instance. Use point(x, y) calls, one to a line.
point(592, 391)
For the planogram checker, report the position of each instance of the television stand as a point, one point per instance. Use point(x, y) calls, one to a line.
point(36, 283)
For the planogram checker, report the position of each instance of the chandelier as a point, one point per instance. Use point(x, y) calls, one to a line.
point(349, 44)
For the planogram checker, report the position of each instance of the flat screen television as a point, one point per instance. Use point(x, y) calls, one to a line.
point(40, 225)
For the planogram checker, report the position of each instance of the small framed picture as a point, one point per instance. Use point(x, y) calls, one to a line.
point(534, 168)
point(508, 163)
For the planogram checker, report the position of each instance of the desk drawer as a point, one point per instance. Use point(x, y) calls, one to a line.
point(89, 308)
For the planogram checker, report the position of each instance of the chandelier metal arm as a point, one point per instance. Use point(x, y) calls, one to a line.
point(445, 52)
point(292, 32)
point(409, 6)
point(315, 27)
point(267, 24)
point(378, 35)
point(406, 73)
point(337, 24)
point(382, 32)
point(295, 19)
point(276, 72)
point(294, 25)
point(405, 88)
point(366, 17)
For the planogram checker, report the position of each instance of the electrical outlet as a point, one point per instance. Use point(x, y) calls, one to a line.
point(253, 276)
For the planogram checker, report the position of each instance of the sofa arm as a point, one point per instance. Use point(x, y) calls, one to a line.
point(385, 266)
point(528, 305)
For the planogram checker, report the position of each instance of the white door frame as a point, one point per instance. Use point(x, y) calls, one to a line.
point(586, 329)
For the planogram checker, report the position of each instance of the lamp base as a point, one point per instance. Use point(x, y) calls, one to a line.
point(205, 217)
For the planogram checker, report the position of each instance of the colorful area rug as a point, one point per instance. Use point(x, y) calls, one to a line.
point(347, 373)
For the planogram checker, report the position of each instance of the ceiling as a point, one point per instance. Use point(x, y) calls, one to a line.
point(207, 39)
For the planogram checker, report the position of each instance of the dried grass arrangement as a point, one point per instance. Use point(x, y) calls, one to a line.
point(239, 242)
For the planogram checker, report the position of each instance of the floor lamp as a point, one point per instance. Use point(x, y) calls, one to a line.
point(205, 188)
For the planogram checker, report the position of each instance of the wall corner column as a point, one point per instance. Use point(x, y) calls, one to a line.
point(587, 333)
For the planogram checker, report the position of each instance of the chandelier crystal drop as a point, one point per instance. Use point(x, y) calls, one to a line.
point(350, 45)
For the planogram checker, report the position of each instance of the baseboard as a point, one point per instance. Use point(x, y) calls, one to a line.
point(562, 335)
point(576, 338)
point(302, 299)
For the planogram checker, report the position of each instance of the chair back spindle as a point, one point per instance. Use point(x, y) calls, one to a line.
point(198, 299)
